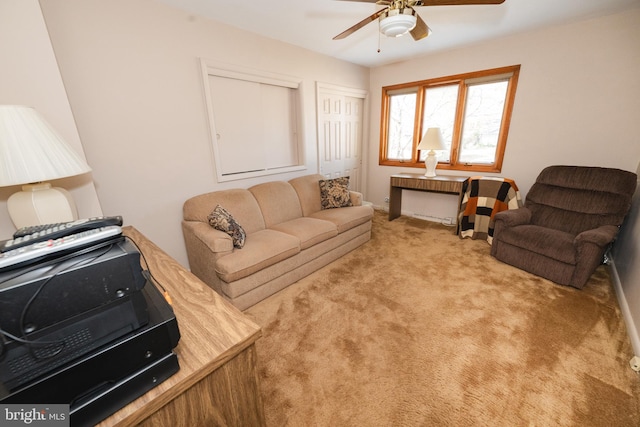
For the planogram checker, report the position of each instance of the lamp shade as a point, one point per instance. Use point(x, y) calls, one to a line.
point(432, 140)
point(395, 22)
point(31, 151)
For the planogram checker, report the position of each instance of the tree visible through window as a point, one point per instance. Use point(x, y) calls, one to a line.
point(402, 112)
point(473, 111)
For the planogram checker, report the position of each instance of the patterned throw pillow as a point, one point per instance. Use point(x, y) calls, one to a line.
point(334, 193)
point(221, 219)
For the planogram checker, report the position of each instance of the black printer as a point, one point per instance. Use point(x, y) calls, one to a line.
point(82, 323)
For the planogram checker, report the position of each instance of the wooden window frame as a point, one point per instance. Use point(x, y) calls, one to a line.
point(461, 80)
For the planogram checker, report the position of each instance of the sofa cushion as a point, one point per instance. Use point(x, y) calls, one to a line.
point(278, 202)
point(309, 231)
point(222, 220)
point(238, 202)
point(334, 193)
point(308, 192)
point(346, 218)
point(277, 276)
point(551, 243)
point(262, 249)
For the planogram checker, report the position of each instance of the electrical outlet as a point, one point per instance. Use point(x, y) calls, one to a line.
point(386, 199)
point(635, 363)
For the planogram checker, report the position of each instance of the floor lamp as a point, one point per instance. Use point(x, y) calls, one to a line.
point(32, 153)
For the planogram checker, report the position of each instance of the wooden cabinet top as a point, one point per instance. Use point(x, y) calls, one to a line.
point(212, 331)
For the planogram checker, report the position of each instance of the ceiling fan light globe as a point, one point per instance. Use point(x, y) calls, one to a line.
point(396, 24)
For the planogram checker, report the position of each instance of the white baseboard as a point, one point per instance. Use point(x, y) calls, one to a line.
point(624, 307)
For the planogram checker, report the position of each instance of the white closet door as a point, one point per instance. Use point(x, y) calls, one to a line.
point(340, 123)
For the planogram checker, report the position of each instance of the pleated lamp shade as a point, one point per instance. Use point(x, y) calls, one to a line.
point(31, 153)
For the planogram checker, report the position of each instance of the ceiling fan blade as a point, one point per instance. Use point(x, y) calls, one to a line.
point(458, 2)
point(421, 30)
point(360, 24)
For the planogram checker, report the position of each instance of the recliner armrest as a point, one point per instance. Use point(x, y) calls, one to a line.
point(600, 236)
point(514, 217)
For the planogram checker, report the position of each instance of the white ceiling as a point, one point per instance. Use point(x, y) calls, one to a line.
point(313, 23)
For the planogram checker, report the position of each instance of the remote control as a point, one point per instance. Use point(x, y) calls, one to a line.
point(38, 233)
point(77, 225)
point(44, 249)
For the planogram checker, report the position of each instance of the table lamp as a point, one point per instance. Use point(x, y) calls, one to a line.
point(31, 153)
point(431, 140)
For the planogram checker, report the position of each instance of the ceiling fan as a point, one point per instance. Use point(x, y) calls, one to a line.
point(400, 17)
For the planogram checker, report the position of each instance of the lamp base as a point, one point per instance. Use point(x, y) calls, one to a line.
point(41, 204)
point(430, 163)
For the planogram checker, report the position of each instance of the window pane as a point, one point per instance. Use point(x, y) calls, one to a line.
point(440, 111)
point(482, 120)
point(402, 110)
point(468, 108)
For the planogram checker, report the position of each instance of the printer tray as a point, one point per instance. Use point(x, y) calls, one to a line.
point(113, 397)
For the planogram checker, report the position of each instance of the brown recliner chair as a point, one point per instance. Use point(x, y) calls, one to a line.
point(570, 217)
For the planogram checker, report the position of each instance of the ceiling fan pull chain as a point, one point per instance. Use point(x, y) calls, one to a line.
point(379, 36)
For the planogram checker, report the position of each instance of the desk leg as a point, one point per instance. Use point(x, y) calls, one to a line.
point(395, 202)
point(458, 213)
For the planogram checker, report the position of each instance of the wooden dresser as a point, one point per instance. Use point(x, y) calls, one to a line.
point(217, 384)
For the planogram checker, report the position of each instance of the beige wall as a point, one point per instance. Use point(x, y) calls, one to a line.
point(626, 260)
point(132, 73)
point(29, 76)
point(578, 101)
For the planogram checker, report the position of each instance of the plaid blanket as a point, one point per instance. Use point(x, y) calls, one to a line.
point(482, 198)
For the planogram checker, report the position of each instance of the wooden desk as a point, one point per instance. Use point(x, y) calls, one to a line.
point(448, 184)
point(217, 383)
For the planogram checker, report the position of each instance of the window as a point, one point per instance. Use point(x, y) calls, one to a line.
point(472, 110)
point(254, 119)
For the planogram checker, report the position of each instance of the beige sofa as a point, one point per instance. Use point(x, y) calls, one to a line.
point(288, 236)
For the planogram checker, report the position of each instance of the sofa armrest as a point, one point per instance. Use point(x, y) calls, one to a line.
point(600, 236)
point(204, 235)
point(204, 246)
point(356, 198)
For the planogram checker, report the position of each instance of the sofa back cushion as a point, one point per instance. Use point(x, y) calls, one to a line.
point(308, 189)
point(278, 202)
point(578, 198)
point(240, 203)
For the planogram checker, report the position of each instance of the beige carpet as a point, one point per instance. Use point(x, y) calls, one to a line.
point(421, 328)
